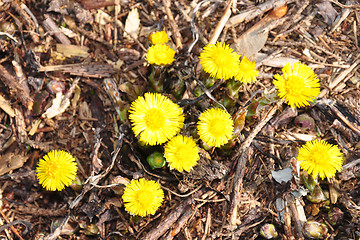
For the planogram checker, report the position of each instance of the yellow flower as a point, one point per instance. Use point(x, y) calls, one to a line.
point(215, 127)
point(159, 37)
point(320, 158)
point(299, 85)
point(246, 72)
point(181, 153)
point(156, 118)
point(160, 54)
point(142, 197)
point(219, 60)
point(56, 170)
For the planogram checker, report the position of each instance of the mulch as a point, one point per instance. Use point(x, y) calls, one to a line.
point(88, 52)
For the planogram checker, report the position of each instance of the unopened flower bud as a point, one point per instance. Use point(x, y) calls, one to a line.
point(121, 181)
point(317, 195)
point(56, 86)
point(268, 231)
point(76, 185)
point(91, 229)
point(315, 230)
point(156, 160)
point(305, 122)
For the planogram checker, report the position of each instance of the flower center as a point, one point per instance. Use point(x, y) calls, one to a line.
point(217, 127)
point(144, 198)
point(319, 156)
point(220, 60)
point(294, 85)
point(52, 169)
point(154, 119)
point(181, 152)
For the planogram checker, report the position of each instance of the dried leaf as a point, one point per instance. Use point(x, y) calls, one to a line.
point(255, 38)
point(72, 50)
point(6, 107)
point(327, 11)
point(132, 23)
point(283, 175)
point(279, 62)
point(11, 161)
point(59, 105)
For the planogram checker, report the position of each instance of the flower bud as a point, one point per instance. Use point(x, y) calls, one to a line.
point(156, 160)
point(119, 190)
point(56, 86)
point(317, 195)
point(335, 215)
point(91, 229)
point(268, 231)
point(76, 185)
point(313, 229)
point(305, 122)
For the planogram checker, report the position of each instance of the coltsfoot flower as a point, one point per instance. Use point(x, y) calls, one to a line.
point(182, 153)
point(215, 127)
point(159, 37)
point(320, 158)
point(155, 118)
point(219, 60)
point(160, 54)
point(246, 72)
point(143, 197)
point(56, 170)
point(298, 86)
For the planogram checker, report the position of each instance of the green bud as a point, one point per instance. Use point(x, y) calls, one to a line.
point(156, 160)
point(313, 229)
point(268, 231)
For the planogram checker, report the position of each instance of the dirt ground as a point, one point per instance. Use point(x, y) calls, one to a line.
point(69, 71)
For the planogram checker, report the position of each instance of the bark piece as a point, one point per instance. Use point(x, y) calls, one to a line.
point(16, 88)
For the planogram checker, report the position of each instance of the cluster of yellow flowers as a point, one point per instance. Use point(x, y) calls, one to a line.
point(298, 86)
point(222, 62)
point(160, 53)
point(158, 120)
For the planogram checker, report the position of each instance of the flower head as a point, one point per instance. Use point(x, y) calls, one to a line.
point(56, 170)
point(215, 127)
point(155, 118)
point(142, 197)
point(160, 54)
point(320, 158)
point(219, 60)
point(181, 153)
point(159, 37)
point(299, 85)
point(246, 72)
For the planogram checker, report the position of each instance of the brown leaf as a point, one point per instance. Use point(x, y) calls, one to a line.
point(11, 161)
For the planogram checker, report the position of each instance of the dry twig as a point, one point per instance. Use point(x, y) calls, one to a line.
point(241, 162)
